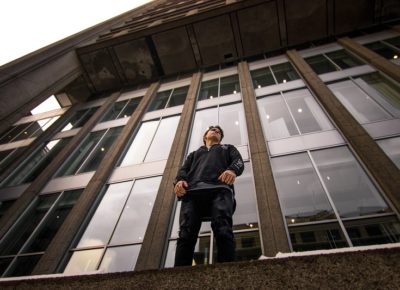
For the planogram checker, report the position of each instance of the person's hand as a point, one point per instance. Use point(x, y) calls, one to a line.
point(180, 188)
point(228, 177)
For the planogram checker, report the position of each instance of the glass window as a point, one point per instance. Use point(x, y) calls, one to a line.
point(128, 110)
point(391, 147)
point(24, 266)
point(90, 152)
point(159, 101)
point(229, 85)
point(358, 103)
point(79, 118)
point(9, 156)
point(202, 120)
point(394, 41)
point(262, 77)
point(383, 50)
point(114, 111)
point(36, 163)
point(300, 191)
point(119, 259)
point(320, 64)
point(351, 190)
point(284, 72)
point(84, 261)
point(209, 90)
point(5, 205)
point(343, 59)
point(247, 246)
point(178, 97)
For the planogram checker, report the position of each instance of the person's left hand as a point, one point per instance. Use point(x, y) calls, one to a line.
point(228, 177)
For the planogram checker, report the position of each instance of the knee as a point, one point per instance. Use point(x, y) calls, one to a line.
point(222, 229)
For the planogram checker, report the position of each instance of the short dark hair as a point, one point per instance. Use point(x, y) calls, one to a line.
point(211, 127)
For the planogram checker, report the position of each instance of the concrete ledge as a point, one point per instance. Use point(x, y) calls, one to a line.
point(366, 269)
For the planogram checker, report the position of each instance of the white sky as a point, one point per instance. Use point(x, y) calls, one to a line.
point(28, 25)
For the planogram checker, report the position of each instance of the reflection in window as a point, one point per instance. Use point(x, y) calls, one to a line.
point(90, 152)
point(320, 64)
point(231, 119)
point(35, 230)
point(115, 245)
point(122, 109)
point(262, 77)
point(391, 147)
point(275, 74)
point(9, 156)
point(152, 142)
point(332, 61)
point(291, 113)
point(219, 87)
point(79, 118)
point(383, 49)
point(35, 163)
point(284, 72)
point(169, 98)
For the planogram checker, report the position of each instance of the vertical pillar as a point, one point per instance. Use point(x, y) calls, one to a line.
point(63, 239)
point(151, 253)
point(273, 232)
point(385, 172)
point(372, 57)
point(37, 185)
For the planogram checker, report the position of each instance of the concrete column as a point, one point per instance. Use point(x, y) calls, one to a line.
point(151, 253)
point(385, 172)
point(273, 233)
point(62, 241)
point(372, 58)
point(41, 139)
point(37, 185)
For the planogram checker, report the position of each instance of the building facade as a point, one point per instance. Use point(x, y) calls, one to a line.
point(310, 97)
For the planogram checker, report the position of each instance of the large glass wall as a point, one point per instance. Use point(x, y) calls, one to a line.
point(273, 74)
point(219, 87)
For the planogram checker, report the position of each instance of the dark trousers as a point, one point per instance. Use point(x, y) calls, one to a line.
point(216, 205)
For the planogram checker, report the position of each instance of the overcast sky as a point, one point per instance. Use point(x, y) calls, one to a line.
point(28, 25)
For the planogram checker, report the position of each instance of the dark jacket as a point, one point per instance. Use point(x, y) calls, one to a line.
point(205, 165)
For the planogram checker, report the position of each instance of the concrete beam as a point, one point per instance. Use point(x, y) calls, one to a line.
point(273, 233)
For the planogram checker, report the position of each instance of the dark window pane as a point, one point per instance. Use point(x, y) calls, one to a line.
point(5, 205)
point(394, 41)
point(114, 111)
point(159, 101)
point(382, 49)
point(11, 157)
point(284, 72)
point(317, 237)
point(262, 77)
point(36, 163)
point(79, 118)
point(130, 108)
point(14, 132)
point(22, 230)
point(24, 266)
point(320, 64)
point(101, 150)
point(248, 246)
point(343, 59)
point(4, 264)
point(229, 85)
point(178, 97)
point(53, 222)
point(208, 90)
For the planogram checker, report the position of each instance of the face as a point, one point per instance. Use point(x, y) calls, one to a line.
point(213, 134)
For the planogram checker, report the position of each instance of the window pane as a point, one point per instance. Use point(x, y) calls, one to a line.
point(140, 144)
point(232, 121)
point(84, 261)
point(162, 142)
point(98, 232)
point(118, 259)
point(53, 222)
point(159, 101)
point(31, 129)
point(24, 266)
point(262, 77)
point(135, 217)
point(4, 263)
point(202, 120)
point(169, 260)
point(343, 59)
point(5, 205)
point(14, 132)
point(276, 119)
point(130, 108)
point(382, 49)
point(72, 164)
point(25, 226)
point(317, 237)
point(300, 192)
point(394, 41)
point(385, 92)
point(114, 111)
point(9, 156)
point(202, 251)
point(320, 64)
point(93, 162)
point(178, 97)
point(245, 216)
point(229, 85)
point(358, 103)
point(248, 246)
point(392, 149)
point(79, 118)
point(208, 90)
point(36, 163)
point(307, 113)
point(351, 190)
point(373, 231)
point(284, 72)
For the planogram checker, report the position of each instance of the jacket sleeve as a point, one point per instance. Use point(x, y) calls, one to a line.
point(184, 171)
point(237, 164)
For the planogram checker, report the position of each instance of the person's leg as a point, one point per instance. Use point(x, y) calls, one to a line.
point(190, 222)
point(221, 223)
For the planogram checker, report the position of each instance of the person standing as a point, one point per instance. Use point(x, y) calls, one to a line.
point(204, 184)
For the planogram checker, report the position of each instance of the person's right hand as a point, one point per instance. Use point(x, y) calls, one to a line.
point(180, 188)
